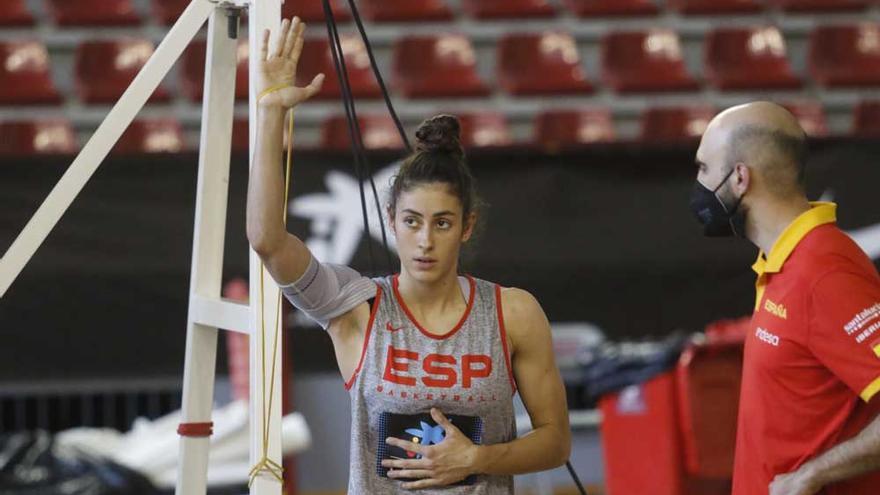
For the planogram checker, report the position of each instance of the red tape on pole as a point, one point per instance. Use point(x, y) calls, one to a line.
point(195, 429)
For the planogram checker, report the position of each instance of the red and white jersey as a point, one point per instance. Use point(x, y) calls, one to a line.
point(406, 369)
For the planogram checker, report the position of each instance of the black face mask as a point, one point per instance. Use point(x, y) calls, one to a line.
point(717, 218)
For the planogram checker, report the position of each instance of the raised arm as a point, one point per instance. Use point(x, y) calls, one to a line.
point(285, 256)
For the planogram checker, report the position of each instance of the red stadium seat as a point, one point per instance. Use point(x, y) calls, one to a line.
point(603, 8)
point(39, 137)
point(93, 12)
point(846, 55)
point(24, 74)
point(484, 130)
point(151, 136)
point(645, 61)
point(675, 123)
point(377, 131)
point(811, 117)
point(404, 10)
point(866, 118)
point(715, 7)
point(536, 64)
point(167, 11)
point(192, 71)
point(748, 58)
point(316, 58)
point(508, 9)
point(821, 5)
point(555, 129)
point(313, 10)
point(15, 13)
point(104, 69)
point(436, 66)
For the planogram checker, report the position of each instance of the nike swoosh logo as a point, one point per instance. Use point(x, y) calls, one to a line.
point(392, 329)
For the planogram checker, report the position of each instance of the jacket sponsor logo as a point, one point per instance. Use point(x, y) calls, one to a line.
point(775, 309)
point(765, 336)
point(862, 320)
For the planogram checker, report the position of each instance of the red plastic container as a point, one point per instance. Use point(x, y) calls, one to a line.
point(675, 434)
point(641, 439)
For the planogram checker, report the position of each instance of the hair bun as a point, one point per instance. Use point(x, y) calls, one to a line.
point(439, 134)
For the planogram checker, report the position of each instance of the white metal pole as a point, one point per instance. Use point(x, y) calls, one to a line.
point(208, 239)
point(264, 14)
point(99, 145)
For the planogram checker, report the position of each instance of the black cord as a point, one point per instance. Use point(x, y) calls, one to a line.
point(351, 117)
point(362, 164)
point(365, 160)
point(385, 95)
point(574, 476)
point(577, 481)
point(375, 67)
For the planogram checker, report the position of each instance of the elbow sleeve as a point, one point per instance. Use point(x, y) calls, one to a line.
point(326, 291)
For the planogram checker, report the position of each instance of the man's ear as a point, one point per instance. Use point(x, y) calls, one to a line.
point(742, 178)
point(469, 225)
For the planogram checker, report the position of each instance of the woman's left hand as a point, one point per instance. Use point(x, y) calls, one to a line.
point(277, 68)
point(449, 461)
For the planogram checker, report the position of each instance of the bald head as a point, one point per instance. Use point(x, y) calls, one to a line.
point(763, 135)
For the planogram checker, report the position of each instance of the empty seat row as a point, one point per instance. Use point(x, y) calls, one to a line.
point(557, 129)
point(552, 130)
point(124, 13)
point(425, 66)
point(721, 7)
point(57, 136)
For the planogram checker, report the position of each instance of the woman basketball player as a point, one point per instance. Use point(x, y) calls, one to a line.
point(431, 359)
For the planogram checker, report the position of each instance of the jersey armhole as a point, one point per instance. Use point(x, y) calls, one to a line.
point(369, 331)
point(503, 333)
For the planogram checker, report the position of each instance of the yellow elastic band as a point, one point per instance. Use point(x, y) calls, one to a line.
point(272, 90)
point(265, 464)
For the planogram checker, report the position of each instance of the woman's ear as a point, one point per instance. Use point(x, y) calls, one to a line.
point(390, 215)
point(469, 225)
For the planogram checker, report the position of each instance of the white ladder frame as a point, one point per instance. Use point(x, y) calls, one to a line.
point(207, 311)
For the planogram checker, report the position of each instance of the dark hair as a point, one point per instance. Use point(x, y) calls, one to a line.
point(438, 157)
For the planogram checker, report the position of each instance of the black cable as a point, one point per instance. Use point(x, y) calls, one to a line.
point(375, 67)
point(351, 117)
point(362, 163)
point(385, 95)
point(574, 476)
point(349, 96)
